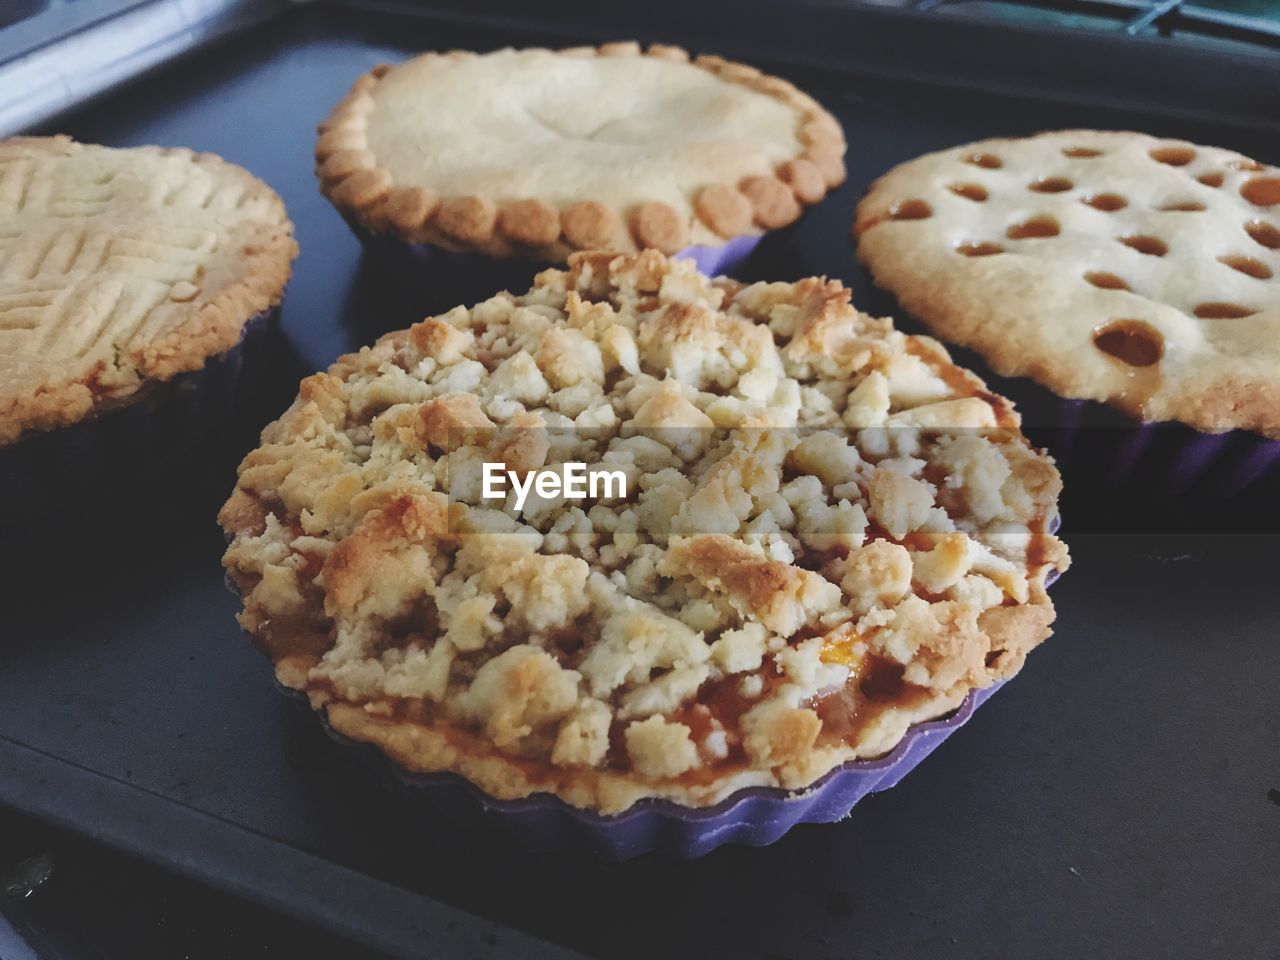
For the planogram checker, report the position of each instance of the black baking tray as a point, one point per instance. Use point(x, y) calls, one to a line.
point(1113, 801)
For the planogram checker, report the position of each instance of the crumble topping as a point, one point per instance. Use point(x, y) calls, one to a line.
point(829, 533)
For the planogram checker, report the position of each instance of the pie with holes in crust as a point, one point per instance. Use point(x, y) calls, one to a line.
point(537, 153)
point(829, 533)
point(1107, 266)
point(119, 268)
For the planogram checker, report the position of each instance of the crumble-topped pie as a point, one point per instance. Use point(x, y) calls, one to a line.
point(536, 153)
point(1108, 266)
point(830, 532)
point(120, 267)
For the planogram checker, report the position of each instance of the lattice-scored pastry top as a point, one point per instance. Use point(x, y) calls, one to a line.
point(120, 266)
point(830, 532)
point(537, 153)
point(1108, 266)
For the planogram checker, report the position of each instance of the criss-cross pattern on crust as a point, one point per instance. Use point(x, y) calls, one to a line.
point(118, 266)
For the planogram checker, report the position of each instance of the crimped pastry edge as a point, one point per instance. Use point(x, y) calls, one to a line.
point(352, 179)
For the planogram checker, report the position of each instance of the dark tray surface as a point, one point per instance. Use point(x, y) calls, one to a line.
point(1112, 801)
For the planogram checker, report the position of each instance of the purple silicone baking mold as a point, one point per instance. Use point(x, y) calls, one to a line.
point(1160, 458)
point(725, 260)
point(753, 816)
point(92, 460)
point(442, 279)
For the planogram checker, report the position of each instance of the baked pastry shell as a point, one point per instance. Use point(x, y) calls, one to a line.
point(102, 455)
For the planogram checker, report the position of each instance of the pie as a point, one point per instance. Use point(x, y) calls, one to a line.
point(537, 153)
point(120, 268)
point(1108, 266)
point(828, 533)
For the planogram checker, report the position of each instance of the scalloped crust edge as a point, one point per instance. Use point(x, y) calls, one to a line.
point(352, 180)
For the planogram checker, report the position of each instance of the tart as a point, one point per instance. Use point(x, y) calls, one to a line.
point(828, 534)
point(123, 269)
point(533, 154)
point(1109, 266)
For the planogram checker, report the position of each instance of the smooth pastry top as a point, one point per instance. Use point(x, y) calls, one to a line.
point(1108, 266)
point(537, 153)
point(829, 533)
point(123, 266)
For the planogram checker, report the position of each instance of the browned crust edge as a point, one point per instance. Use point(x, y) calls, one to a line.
point(351, 178)
point(215, 321)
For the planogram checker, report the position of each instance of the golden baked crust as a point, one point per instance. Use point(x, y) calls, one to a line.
point(536, 153)
point(830, 532)
point(119, 267)
point(1108, 266)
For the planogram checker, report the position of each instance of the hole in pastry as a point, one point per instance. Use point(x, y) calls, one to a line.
point(1173, 156)
point(970, 191)
point(1211, 179)
point(1222, 311)
point(1106, 281)
point(1262, 191)
point(1081, 152)
point(978, 248)
point(1050, 185)
point(1263, 233)
point(1106, 202)
point(988, 161)
point(1151, 246)
point(1248, 266)
point(1244, 163)
point(1181, 206)
point(911, 210)
point(1034, 229)
point(1132, 342)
